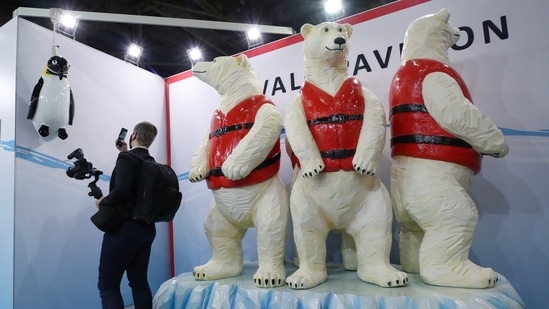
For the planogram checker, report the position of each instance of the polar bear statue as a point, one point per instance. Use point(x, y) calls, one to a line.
point(240, 159)
point(337, 129)
point(438, 138)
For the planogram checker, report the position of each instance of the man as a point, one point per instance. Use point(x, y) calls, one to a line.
point(128, 248)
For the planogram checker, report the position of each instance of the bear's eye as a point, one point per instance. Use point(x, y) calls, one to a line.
point(326, 29)
point(340, 29)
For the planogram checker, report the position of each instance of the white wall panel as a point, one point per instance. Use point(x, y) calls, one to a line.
point(8, 35)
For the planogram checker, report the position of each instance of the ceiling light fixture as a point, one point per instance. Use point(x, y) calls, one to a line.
point(254, 37)
point(333, 9)
point(133, 54)
point(194, 54)
point(68, 25)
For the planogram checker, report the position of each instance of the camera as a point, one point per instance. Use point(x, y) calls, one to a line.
point(83, 169)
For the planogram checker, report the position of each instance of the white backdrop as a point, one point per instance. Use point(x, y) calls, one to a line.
point(7, 158)
point(56, 246)
point(502, 58)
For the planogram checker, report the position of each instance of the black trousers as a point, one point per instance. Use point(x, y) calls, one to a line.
point(126, 250)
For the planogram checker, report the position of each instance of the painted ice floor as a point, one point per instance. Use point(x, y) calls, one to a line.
point(342, 290)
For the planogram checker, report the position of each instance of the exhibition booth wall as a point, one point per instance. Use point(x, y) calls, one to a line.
point(501, 56)
point(7, 159)
point(50, 248)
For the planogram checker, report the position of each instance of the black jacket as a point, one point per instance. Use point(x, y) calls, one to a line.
point(124, 180)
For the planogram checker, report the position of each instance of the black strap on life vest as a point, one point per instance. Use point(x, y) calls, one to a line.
point(336, 118)
point(429, 139)
point(224, 130)
point(408, 108)
point(338, 153)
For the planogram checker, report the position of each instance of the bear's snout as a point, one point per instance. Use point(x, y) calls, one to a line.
point(340, 41)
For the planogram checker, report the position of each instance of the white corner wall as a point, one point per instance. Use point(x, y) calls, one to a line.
point(7, 159)
point(502, 57)
point(56, 247)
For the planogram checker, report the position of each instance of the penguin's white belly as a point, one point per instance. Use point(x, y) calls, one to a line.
point(53, 104)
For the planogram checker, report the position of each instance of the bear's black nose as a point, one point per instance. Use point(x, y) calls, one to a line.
point(339, 41)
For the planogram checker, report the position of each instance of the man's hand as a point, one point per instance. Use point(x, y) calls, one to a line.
point(121, 146)
point(98, 201)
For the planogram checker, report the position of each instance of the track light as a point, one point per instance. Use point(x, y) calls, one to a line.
point(194, 54)
point(333, 9)
point(254, 37)
point(133, 54)
point(67, 25)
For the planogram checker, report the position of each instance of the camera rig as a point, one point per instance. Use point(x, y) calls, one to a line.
point(83, 169)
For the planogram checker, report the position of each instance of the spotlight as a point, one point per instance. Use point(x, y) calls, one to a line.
point(254, 37)
point(194, 54)
point(333, 9)
point(67, 26)
point(133, 54)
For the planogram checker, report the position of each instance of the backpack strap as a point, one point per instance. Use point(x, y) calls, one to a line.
point(128, 209)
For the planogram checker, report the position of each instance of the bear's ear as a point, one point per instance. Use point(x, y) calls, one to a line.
point(306, 29)
point(242, 60)
point(444, 15)
point(349, 29)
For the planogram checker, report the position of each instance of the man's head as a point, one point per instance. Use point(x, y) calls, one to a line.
point(144, 134)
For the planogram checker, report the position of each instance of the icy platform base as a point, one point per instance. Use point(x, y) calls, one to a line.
point(342, 290)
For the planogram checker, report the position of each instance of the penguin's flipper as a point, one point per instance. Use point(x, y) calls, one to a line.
point(62, 133)
point(71, 108)
point(34, 98)
point(44, 130)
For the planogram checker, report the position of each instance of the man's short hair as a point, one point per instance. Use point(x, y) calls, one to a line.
point(146, 132)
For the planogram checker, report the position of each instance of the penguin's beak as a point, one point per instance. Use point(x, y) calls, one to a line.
point(63, 71)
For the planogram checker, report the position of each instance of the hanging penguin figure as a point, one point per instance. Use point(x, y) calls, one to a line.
point(52, 104)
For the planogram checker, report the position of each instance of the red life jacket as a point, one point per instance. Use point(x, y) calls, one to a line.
point(226, 132)
point(335, 122)
point(414, 132)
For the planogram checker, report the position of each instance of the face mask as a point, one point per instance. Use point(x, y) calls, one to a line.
point(131, 141)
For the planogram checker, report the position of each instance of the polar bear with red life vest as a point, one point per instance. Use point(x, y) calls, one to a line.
point(239, 159)
point(337, 130)
point(438, 138)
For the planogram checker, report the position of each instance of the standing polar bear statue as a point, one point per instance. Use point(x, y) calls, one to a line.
point(337, 130)
point(438, 139)
point(240, 159)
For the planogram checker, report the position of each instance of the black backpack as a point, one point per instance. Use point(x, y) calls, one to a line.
point(158, 197)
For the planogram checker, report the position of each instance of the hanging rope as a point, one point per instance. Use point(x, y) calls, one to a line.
point(55, 16)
